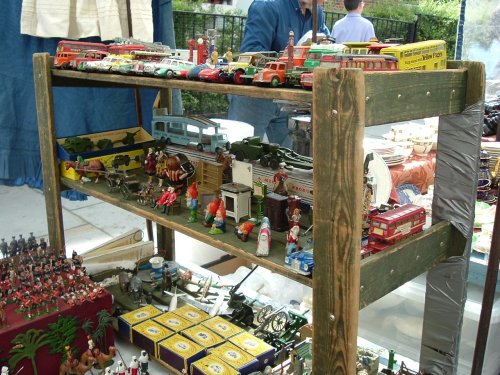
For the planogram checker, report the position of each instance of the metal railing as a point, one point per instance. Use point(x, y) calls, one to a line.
point(229, 29)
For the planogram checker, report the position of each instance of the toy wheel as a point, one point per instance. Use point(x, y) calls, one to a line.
point(237, 77)
point(279, 321)
point(239, 155)
point(275, 82)
point(264, 161)
point(169, 74)
point(111, 183)
point(221, 78)
point(264, 313)
point(199, 147)
point(125, 191)
point(274, 163)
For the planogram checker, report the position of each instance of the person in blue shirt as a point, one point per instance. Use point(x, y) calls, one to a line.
point(353, 27)
point(269, 23)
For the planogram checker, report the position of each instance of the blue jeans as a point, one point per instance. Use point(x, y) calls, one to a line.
point(264, 115)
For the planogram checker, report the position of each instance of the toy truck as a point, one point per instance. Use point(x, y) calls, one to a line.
point(248, 63)
point(251, 148)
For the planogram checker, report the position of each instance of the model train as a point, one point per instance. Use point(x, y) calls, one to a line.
point(392, 226)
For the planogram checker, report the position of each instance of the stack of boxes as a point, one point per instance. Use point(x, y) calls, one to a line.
point(188, 339)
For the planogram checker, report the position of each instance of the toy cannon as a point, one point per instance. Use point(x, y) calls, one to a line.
point(243, 312)
point(267, 317)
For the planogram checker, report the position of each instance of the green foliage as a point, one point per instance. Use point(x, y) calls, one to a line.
point(432, 27)
point(482, 23)
point(104, 320)
point(87, 326)
point(391, 9)
point(204, 103)
point(61, 333)
point(26, 345)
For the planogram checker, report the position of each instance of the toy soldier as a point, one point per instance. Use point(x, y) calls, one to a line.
point(214, 56)
point(133, 368)
point(21, 244)
point(4, 248)
point(120, 369)
point(13, 246)
point(144, 361)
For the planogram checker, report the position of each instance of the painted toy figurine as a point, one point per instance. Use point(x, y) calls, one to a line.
point(219, 223)
point(144, 361)
point(133, 367)
point(161, 165)
point(120, 369)
point(166, 200)
point(173, 173)
point(214, 56)
point(192, 202)
point(108, 371)
point(210, 212)
point(243, 231)
point(279, 181)
point(295, 218)
point(292, 240)
point(264, 238)
point(5, 370)
point(150, 165)
point(228, 55)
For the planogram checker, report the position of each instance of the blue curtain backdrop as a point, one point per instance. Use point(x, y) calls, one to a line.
point(77, 110)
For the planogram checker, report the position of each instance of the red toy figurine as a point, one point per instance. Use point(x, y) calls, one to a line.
point(166, 200)
point(243, 231)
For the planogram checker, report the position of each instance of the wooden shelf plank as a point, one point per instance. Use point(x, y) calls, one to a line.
point(80, 79)
point(385, 271)
point(227, 242)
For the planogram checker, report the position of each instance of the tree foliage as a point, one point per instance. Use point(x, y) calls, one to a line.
point(26, 344)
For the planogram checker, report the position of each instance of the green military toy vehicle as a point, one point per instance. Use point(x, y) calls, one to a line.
point(76, 145)
point(252, 148)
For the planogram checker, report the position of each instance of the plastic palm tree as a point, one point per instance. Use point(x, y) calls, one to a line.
point(26, 345)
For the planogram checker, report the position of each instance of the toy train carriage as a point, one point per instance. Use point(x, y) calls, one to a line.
point(394, 225)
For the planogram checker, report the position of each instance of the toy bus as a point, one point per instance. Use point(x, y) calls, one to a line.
point(394, 225)
point(68, 50)
point(428, 55)
point(368, 63)
point(197, 131)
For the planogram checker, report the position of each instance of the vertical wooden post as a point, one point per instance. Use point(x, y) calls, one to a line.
point(48, 154)
point(338, 126)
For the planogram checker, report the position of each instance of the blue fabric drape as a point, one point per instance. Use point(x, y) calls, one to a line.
point(76, 110)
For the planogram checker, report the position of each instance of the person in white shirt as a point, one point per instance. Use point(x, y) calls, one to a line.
point(353, 27)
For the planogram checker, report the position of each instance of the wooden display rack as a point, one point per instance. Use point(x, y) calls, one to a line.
point(344, 103)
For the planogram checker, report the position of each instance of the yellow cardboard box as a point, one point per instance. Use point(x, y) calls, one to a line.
point(128, 320)
point(173, 321)
point(179, 352)
point(212, 365)
point(191, 313)
point(148, 335)
point(236, 358)
point(203, 336)
point(222, 327)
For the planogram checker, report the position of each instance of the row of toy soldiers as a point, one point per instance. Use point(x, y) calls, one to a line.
point(21, 245)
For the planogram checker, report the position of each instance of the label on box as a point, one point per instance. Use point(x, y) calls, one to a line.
point(234, 356)
point(191, 313)
point(173, 321)
point(212, 365)
point(222, 327)
point(140, 315)
point(152, 330)
point(203, 336)
point(251, 344)
point(181, 346)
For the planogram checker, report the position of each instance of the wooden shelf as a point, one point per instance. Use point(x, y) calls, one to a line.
point(227, 242)
point(344, 103)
